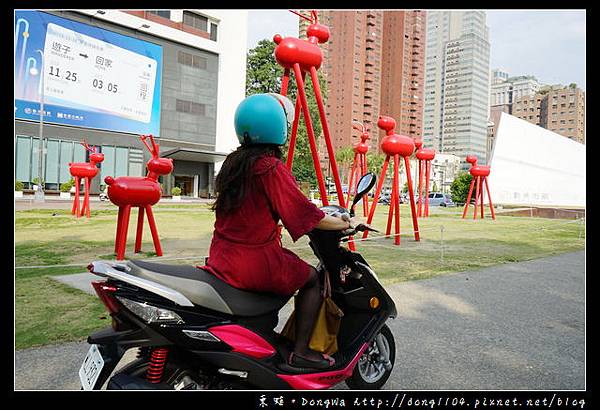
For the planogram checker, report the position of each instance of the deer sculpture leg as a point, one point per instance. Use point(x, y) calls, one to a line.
point(153, 230)
point(476, 197)
point(489, 198)
point(351, 180)
point(292, 146)
point(482, 193)
point(469, 197)
point(396, 196)
point(119, 229)
point(377, 192)
point(86, 200)
point(330, 151)
point(75, 209)
point(311, 135)
point(366, 197)
point(412, 200)
point(428, 168)
point(140, 229)
point(420, 191)
point(123, 235)
point(393, 199)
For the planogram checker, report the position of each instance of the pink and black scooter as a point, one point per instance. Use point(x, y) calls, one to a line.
point(194, 331)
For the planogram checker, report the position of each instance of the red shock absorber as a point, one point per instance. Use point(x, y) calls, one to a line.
point(156, 367)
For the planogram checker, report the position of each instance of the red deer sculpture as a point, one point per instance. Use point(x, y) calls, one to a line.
point(142, 192)
point(480, 174)
point(359, 165)
point(424, 156)
point(395, 145)
point(304, 56)
point(86, 170)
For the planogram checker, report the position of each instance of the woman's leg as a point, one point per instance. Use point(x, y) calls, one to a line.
point(307, 306)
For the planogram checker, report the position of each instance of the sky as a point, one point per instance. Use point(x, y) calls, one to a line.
point(548, 44)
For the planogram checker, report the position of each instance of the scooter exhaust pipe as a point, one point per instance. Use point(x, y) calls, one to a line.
point(383, 352)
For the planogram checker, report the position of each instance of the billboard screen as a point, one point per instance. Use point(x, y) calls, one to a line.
point(92, 77)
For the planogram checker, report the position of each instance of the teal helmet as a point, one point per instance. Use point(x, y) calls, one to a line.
point(263, 119)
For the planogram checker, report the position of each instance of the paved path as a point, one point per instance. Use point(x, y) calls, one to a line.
point(514, 326)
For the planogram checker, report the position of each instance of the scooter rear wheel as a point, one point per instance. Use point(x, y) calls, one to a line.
point(370, 372)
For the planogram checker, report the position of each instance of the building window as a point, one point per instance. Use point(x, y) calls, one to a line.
point(213, 31)
point(190, 107)
point(191, 60)
point(162, 13)
point(196, 21)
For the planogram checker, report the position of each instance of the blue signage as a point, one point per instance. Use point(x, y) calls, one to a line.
point(87, 76)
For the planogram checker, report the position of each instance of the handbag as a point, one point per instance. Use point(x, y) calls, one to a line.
point(327, 325)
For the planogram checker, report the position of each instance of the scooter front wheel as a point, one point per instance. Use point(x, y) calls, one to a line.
point(376, 364)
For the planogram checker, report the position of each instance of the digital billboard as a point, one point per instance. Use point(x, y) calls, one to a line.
point(92, 77)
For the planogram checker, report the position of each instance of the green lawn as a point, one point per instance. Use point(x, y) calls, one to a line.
point(49, 312)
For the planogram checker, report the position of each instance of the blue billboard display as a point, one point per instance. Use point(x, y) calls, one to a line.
point(91, 77)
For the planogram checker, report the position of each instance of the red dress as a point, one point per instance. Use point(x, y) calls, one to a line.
point(246, 251)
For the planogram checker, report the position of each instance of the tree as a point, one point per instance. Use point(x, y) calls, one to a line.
point(573, 85)
point(460, 187)
point(263, 75)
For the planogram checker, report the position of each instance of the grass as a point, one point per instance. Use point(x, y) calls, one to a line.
point(50, 312)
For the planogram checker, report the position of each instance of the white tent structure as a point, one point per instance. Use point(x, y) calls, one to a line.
point(533, 166)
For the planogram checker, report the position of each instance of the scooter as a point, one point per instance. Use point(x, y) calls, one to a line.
point(194, 331)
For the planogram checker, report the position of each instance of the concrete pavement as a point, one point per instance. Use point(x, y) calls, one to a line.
point(518, 326)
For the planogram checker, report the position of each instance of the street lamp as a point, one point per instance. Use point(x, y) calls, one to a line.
point(39, 193)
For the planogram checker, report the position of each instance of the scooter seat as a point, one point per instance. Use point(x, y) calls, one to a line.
point(205, 289)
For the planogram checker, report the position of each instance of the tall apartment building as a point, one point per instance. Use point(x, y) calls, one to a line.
point(557, 108)
point(373, 64)
point(457, 83)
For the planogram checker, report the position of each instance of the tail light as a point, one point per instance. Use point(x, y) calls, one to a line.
point(105, 293)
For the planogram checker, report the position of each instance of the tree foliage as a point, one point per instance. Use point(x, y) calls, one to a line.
point(460, 187)
point(263, 75)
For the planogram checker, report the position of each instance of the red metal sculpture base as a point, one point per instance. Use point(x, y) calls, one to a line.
point(304, 56)
point(141, 192)
point(86, 171)
point(424, 156)
point(480, 174)
point(395, 146)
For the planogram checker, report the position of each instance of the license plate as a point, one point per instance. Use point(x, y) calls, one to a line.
point(91, 368)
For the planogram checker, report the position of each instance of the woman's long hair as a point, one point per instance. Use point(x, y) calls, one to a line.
point(235, 177)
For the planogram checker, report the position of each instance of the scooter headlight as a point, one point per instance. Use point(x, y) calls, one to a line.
point(149, 313)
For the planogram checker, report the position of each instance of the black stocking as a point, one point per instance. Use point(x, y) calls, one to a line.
point(307, 305)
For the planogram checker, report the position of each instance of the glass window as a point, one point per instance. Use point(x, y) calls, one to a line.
point(107, 167)
point(79, 153)
point(195, 20)
point(51, 174)
point(213, 31)
point(136, 162)
point(23, 159)
point(121, 161)
point(163, 13)
point(66, 156)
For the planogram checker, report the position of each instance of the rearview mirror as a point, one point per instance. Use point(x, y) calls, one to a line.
point(365, 184)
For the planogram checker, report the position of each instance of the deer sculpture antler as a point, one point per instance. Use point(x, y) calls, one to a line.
point(87, 146)
point(153, 148)
point(313, 16)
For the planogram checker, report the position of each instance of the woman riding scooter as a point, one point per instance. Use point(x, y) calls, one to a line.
point(254, 191)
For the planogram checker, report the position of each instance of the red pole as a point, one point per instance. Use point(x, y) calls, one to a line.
point(330, 150)
point(469, 198)
point(420, 192)
point(292, 146)
point(284, 81)
point(311, 137)
point(428, 167)
point(75, 209)
point(363, 161)
point(489, 197)
point(123, 237)
point(476, 197)
point(397, 198)
point(377, 192)
point(140, 228)
point(352, 171)
point(87, 197)
point(412, 200)
point(153, 230)
point(482, 195)
point(119, 226)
